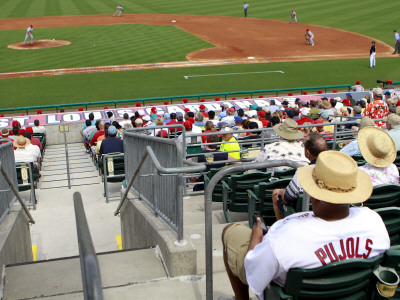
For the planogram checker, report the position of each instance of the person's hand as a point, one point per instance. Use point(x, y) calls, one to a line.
point(275, 194)
point(256, 235)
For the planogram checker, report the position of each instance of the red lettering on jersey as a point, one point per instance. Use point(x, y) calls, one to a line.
point(333, 252)
point(327, 252)
point(357, 244)
point(321, 256)
point(368, 244)
point(350, 247)
point(343, 255)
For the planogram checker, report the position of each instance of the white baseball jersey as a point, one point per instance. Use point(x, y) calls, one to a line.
point(119, 8)
point(305, 241)
point(310, 34)
point(293, 14)
point(29, 30)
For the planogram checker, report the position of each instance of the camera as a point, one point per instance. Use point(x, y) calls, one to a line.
point(380, 81)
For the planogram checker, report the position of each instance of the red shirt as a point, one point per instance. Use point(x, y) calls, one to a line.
point(173, 129)
point(304, 120)
point(265, 122)
point(36, 141)
point(95, 137)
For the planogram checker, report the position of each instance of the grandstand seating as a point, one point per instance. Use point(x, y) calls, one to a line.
point(391, 259)
point(391, 218)
point(384, 195)
point(27, 178)
point(112, 169)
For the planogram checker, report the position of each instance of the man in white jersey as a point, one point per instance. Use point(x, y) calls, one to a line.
point(245, 7)
point(372, 55)
point(293, 16)
point(309, 37)
point(29, 34)
point(331, 232)
point(118, 11)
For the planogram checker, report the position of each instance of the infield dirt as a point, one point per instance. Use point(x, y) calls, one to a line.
point(236, 40)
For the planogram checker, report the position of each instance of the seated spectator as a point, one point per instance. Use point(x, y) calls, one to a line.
point(211, 116)
point(377, 109)
point(379, 150)
point(14, 133)
point(159, 131)
point(304, 113)
point(314, 144)
point(255, 135)
point(314, 110)
point(262, 118)
point(306, 130)
point(34, 140)
point(87, 133)
point(288, 147)
point(39, 128)
point(352, 147)
point(26, 152)
point(188, 138)
point(302, 240)
point(393, 127)
point(229, 119)
point(120, 130)
point(110, 116)
point(99, 132)
point(273, 107)
point(229, 143)
point(244, 126)
point(126, 120)
point(111, 144)
point(203, 109)
point(222, 114)
point(199, 124)
point(357, 116)
point(208, 128)
point(102, 137)
point(4, 133)
point(173, 122)
point(167, 118)
point(238, 123)
point(216, 156)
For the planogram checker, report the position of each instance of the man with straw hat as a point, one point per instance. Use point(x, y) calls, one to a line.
point(25, 151)
point(332, 232)
point(379, 150)
point(288, 147)
point(352, 147)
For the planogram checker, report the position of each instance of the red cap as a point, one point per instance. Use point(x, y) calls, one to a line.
point(22, 114)
point(163, 133)
point(290, 94)
point(21, 131)
point(246, 98)
point(186, 109)
point(307, 29)
point(358, 82)
point(188, 124)
point(217, 99)
point(1, 116)
point(126, 106)
point(191, 120)
point(305, 93)
point(39, 111)
point(105, 107)
point(347, 102)
point(234, 98)
point(185, 100)
point(153, 109)
point(390, 81)
point(29, 129)
point(138, 104)
point(32, 26)
point(14, 123)
point(261, 96)
point(166, 103)
point(202, 100)
point(335, 91)
point(320, 92)
point(80, 108)
point(202, 106)
point(231, 109)
point(262, 113)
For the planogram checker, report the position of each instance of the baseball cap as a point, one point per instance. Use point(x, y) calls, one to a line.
point(186, 109)
point(262, 113)
point(303, 102)
point(202, 106)
point(305, 111)
point(141, 113)
point(4, 132)
point(358, 82)
point(153, 117)
point(325, 114)
point(348, 94)
point(251, 113)
point(139, 121)
point(112, 130)
point(362, 103)
point(290, 113)
point(393, 119)
point(347, 102)
point(146, 118)
point(377, 91)
point(387, 93)
point(15, 123)
point(357, 109)
point(253, 107)
point(29, 129)
point(238, 119)
point(232, 110)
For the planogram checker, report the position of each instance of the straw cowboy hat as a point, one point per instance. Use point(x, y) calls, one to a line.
point(288, 130)
point(376, 146)
point(326, 104)
point(21, 142)
point(335, 178)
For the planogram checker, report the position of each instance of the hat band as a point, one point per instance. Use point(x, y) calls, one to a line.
point(324, 186)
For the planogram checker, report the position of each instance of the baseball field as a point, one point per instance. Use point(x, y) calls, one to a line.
point(148, 51)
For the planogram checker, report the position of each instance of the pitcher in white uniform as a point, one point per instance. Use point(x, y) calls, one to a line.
point(331, 232)
point(29, 34)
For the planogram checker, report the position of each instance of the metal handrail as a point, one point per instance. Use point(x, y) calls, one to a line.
point(194, 168)
point(16, 193)
point(91, 281)
point(66, 156)
point(208, 208)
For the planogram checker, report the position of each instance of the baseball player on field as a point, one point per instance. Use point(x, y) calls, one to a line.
point(118, 11)
point(309, 37)
point(29, 34)
point(245, 7)
point(293, 16)
point(372, 54)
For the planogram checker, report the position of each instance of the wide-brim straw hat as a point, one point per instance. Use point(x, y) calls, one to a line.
point(376, 146)
point(326, 104)
point(335, 178)
point(288, 130)
point(21, 142)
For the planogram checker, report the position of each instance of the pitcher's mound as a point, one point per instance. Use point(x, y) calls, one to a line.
point(40, 44)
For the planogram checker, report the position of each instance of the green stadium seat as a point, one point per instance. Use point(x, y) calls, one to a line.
point(234, 191)
point(288, 173)
point(27, 178)
point(391, 218)
point(344, 280)
point(112, 168)
point(384, 195)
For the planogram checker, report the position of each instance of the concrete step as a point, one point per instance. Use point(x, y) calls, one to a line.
point(62, 277)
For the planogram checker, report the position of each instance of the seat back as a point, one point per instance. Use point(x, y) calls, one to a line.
point(113, 170)
point(288, 173)
point(391, 218)
point(384, 195)
point(391, 259)
point(347, 279)
point(239, 184)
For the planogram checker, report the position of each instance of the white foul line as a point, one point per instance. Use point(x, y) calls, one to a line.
point(209, 75)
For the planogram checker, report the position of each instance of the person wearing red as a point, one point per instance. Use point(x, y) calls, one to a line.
point(34, 140)
point(203, 110)
point(173, 122)
point(100, 132)
point(377, 109)
point(262, 115)
point(304, 113)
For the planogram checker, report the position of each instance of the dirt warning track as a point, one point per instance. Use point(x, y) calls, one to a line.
point(236, 40)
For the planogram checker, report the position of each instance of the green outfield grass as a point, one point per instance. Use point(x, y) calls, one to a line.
point(144, 43)
point(170, 82)
point(115, 45)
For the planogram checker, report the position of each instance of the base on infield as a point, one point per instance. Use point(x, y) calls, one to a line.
point(39, 44)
